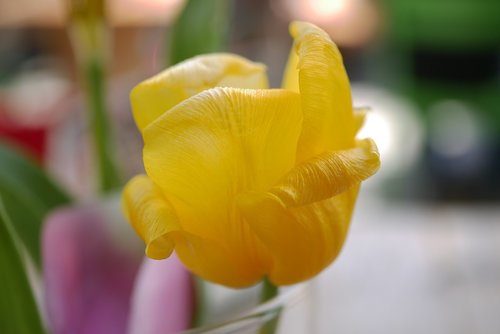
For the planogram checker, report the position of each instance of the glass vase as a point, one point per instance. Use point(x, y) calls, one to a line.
point(289, 312)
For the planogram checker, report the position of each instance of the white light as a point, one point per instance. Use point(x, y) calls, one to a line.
point(350, 23)
point(393, 123)
point(317, 10)
point(378, 128)
point(327, 8)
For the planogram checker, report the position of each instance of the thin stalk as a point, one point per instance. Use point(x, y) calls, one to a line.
point(96, 101)
point(89, 36)
point(200, 303)
point(268, 292)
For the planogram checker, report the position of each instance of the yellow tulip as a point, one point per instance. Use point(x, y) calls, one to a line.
point(243, 181)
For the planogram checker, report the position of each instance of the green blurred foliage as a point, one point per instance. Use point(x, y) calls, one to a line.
point(18, 310)
point(28, 194)
point(202, 27)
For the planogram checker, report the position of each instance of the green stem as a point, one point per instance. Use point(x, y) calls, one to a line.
point(268, 292)
point(200, 302)
point(96, 101)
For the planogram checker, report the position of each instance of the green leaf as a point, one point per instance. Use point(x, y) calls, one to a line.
point(18, 310)
point(202, 27)
point(28, 194)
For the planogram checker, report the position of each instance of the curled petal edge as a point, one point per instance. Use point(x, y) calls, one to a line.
point(328, 174)
point(155, 221)
point(304, 219)
point(151, 216)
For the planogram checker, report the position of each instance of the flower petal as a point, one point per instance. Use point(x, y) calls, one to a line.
point(208, 149)
point(328, 174)
point(218, 262)
point(218, 143)
point(325, 92)
point(303, 220)
point(155, 220)
point(151, 215)
point(88, 278)
point(302, 241)
point(158, 94)
point(163, 298)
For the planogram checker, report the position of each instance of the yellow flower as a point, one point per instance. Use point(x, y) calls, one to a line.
point(244, 181)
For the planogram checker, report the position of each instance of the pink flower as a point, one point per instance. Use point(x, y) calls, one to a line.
point(95, 282)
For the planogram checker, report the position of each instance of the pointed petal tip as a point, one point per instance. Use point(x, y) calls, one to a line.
point(298, 28)
point(373, 154)
point(151, 215)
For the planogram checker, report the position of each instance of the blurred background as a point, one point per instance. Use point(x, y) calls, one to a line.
point(424, 252)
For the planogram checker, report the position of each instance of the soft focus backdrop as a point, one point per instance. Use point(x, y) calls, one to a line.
point(424, 252)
